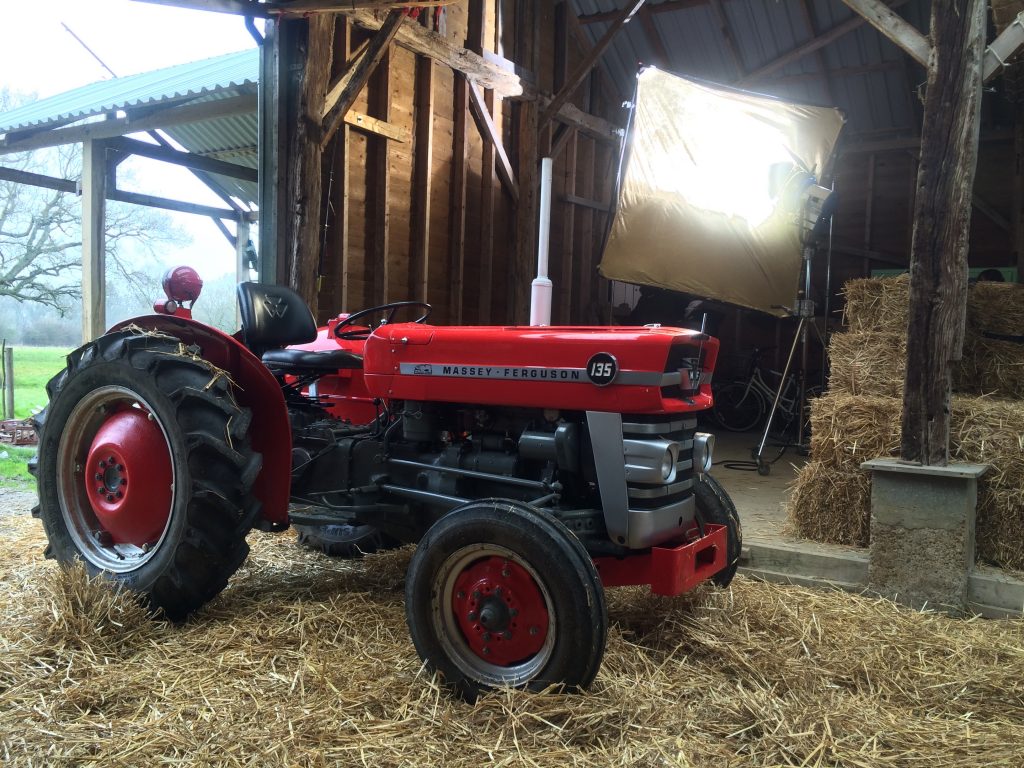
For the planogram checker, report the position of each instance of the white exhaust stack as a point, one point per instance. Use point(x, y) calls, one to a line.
point(540, 291)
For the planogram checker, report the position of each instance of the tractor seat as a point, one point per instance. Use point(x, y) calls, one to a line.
point(300, 362)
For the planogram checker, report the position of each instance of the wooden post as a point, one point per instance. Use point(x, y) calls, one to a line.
point(942, 219)
point(241, 269)
point(378, 170)
point(457, 201)
point(1017, 221)
point(9, 382)
point(305, 179)
point(94, 260)
point(423, 150)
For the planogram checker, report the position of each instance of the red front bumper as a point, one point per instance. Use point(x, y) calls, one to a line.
point(669, 570)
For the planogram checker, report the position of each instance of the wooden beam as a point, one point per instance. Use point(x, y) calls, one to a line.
point(484, 307)
point(342, 146)
point(167, 204)
point(19, 176)
point(378, 167)
point(422, 41)
point(1004, 47)
point(942, 221)
point(583, 202)
point(665, 7)
point(726, 31)
point(866, 69)
point(819, 57)
point(457, 202)
point(894, 27)
point(376, 127)
point(990, 213)
point(94, 251)
point(485, 123)
point(912, 143)
point(812, 45)
point(590, 125)
point(423, 153)
point(587, 63)
point(264, 9)
point(184, 159)
point(106, 129)
point(576, 30)
point(1018, 191)
point(661, 58)
point(342, 95)
point(567, 286)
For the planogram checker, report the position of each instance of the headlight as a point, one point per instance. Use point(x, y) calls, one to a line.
point(668, 465)
point(703, 447)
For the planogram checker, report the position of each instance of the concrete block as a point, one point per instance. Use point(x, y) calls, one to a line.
point(922, 532)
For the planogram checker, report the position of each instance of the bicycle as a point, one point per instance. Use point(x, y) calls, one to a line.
point(741, 405)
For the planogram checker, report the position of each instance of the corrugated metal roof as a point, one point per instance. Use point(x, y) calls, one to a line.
point(232, 138)
point(867, 76)
point(161, 85)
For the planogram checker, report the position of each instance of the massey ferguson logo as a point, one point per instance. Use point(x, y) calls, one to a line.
point(275, 306)
point(423, 369)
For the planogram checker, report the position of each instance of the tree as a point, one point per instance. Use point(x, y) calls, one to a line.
point(40, 230)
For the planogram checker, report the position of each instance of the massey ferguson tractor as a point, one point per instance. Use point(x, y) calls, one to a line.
point(532, 467)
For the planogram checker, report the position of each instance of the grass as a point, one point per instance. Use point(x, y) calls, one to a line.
point(13, 472)
point(33, 367)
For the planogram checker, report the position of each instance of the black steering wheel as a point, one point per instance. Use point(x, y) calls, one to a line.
point(364, 332)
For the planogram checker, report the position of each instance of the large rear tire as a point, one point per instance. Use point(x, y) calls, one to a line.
point(145, 470)
point(499, 593)
point(714, 506)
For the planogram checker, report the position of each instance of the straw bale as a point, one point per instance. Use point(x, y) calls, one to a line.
point(996, 307)
point(877, 303)
point(831, 495)
point(868, 363)
point(990, 367)
point(306, 661)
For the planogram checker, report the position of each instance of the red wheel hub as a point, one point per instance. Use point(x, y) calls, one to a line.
point(128, 477)
point(500, 610)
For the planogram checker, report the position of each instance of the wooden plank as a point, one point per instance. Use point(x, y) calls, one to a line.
point(19, 176)
point(426, 43)
point(342, 221)
point(342, 95)
point(1018, 190)
point(485, 313)
point(94, 252)
point(653, 36)
point(167, 204)
point(586, 160)
point(457, 201)
point(423, 152)
point(485, 123)
point(379, 205)
point(590, 125)
point(894, 27)
point(589, 60)
point(812, 45)
point(730, 41)
point(567, 284)
point(376, 127)
point(184, 159)
point(305, 166)
point(942, 220)
point(583, 202)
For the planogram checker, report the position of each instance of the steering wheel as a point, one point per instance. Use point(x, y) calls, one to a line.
point(391, 309)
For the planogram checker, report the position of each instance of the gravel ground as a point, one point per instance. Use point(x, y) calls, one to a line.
point(15, 502)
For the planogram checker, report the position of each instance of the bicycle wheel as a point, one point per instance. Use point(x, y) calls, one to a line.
point(738, 408)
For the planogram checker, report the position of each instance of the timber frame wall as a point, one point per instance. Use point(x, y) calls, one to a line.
point(429, 189)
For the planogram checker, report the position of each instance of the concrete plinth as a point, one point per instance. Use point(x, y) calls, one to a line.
point(922, 532)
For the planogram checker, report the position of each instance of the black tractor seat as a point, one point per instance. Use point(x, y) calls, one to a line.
point(300, 362)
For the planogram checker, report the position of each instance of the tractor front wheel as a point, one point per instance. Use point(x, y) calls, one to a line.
point(499, 593)
point(145, 470)
point(714, 506)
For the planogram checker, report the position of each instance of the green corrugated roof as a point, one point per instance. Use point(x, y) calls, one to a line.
point(146, 88)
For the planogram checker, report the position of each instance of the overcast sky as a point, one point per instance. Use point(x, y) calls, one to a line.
point(37, 55)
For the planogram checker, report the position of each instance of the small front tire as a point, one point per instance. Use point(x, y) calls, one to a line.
point(714, 506)
point(499, 593)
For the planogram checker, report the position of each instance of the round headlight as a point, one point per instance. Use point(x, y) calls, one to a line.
point(668, 465)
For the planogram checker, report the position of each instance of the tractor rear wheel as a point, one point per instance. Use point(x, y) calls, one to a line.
point(345, 541)
point(145, 470)
point(714, 506)
point(499, 593)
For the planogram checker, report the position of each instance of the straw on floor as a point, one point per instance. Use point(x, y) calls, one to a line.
point(306, 661)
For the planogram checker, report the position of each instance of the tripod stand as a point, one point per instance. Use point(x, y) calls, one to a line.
point(805, 311)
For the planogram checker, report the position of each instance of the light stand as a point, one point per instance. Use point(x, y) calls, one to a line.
point(816, 213)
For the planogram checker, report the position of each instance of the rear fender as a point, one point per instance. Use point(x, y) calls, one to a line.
point(256, 388)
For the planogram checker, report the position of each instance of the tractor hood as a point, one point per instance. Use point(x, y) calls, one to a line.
point(620, 369)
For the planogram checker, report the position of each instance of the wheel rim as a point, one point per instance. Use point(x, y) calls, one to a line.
point(493, 615)
point(115, 479)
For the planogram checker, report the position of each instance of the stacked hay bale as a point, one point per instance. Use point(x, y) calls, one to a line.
point(859, 418)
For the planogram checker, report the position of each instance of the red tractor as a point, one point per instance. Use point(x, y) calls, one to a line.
point(532, 466)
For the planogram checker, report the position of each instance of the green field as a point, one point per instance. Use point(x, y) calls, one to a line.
point(33, 367)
